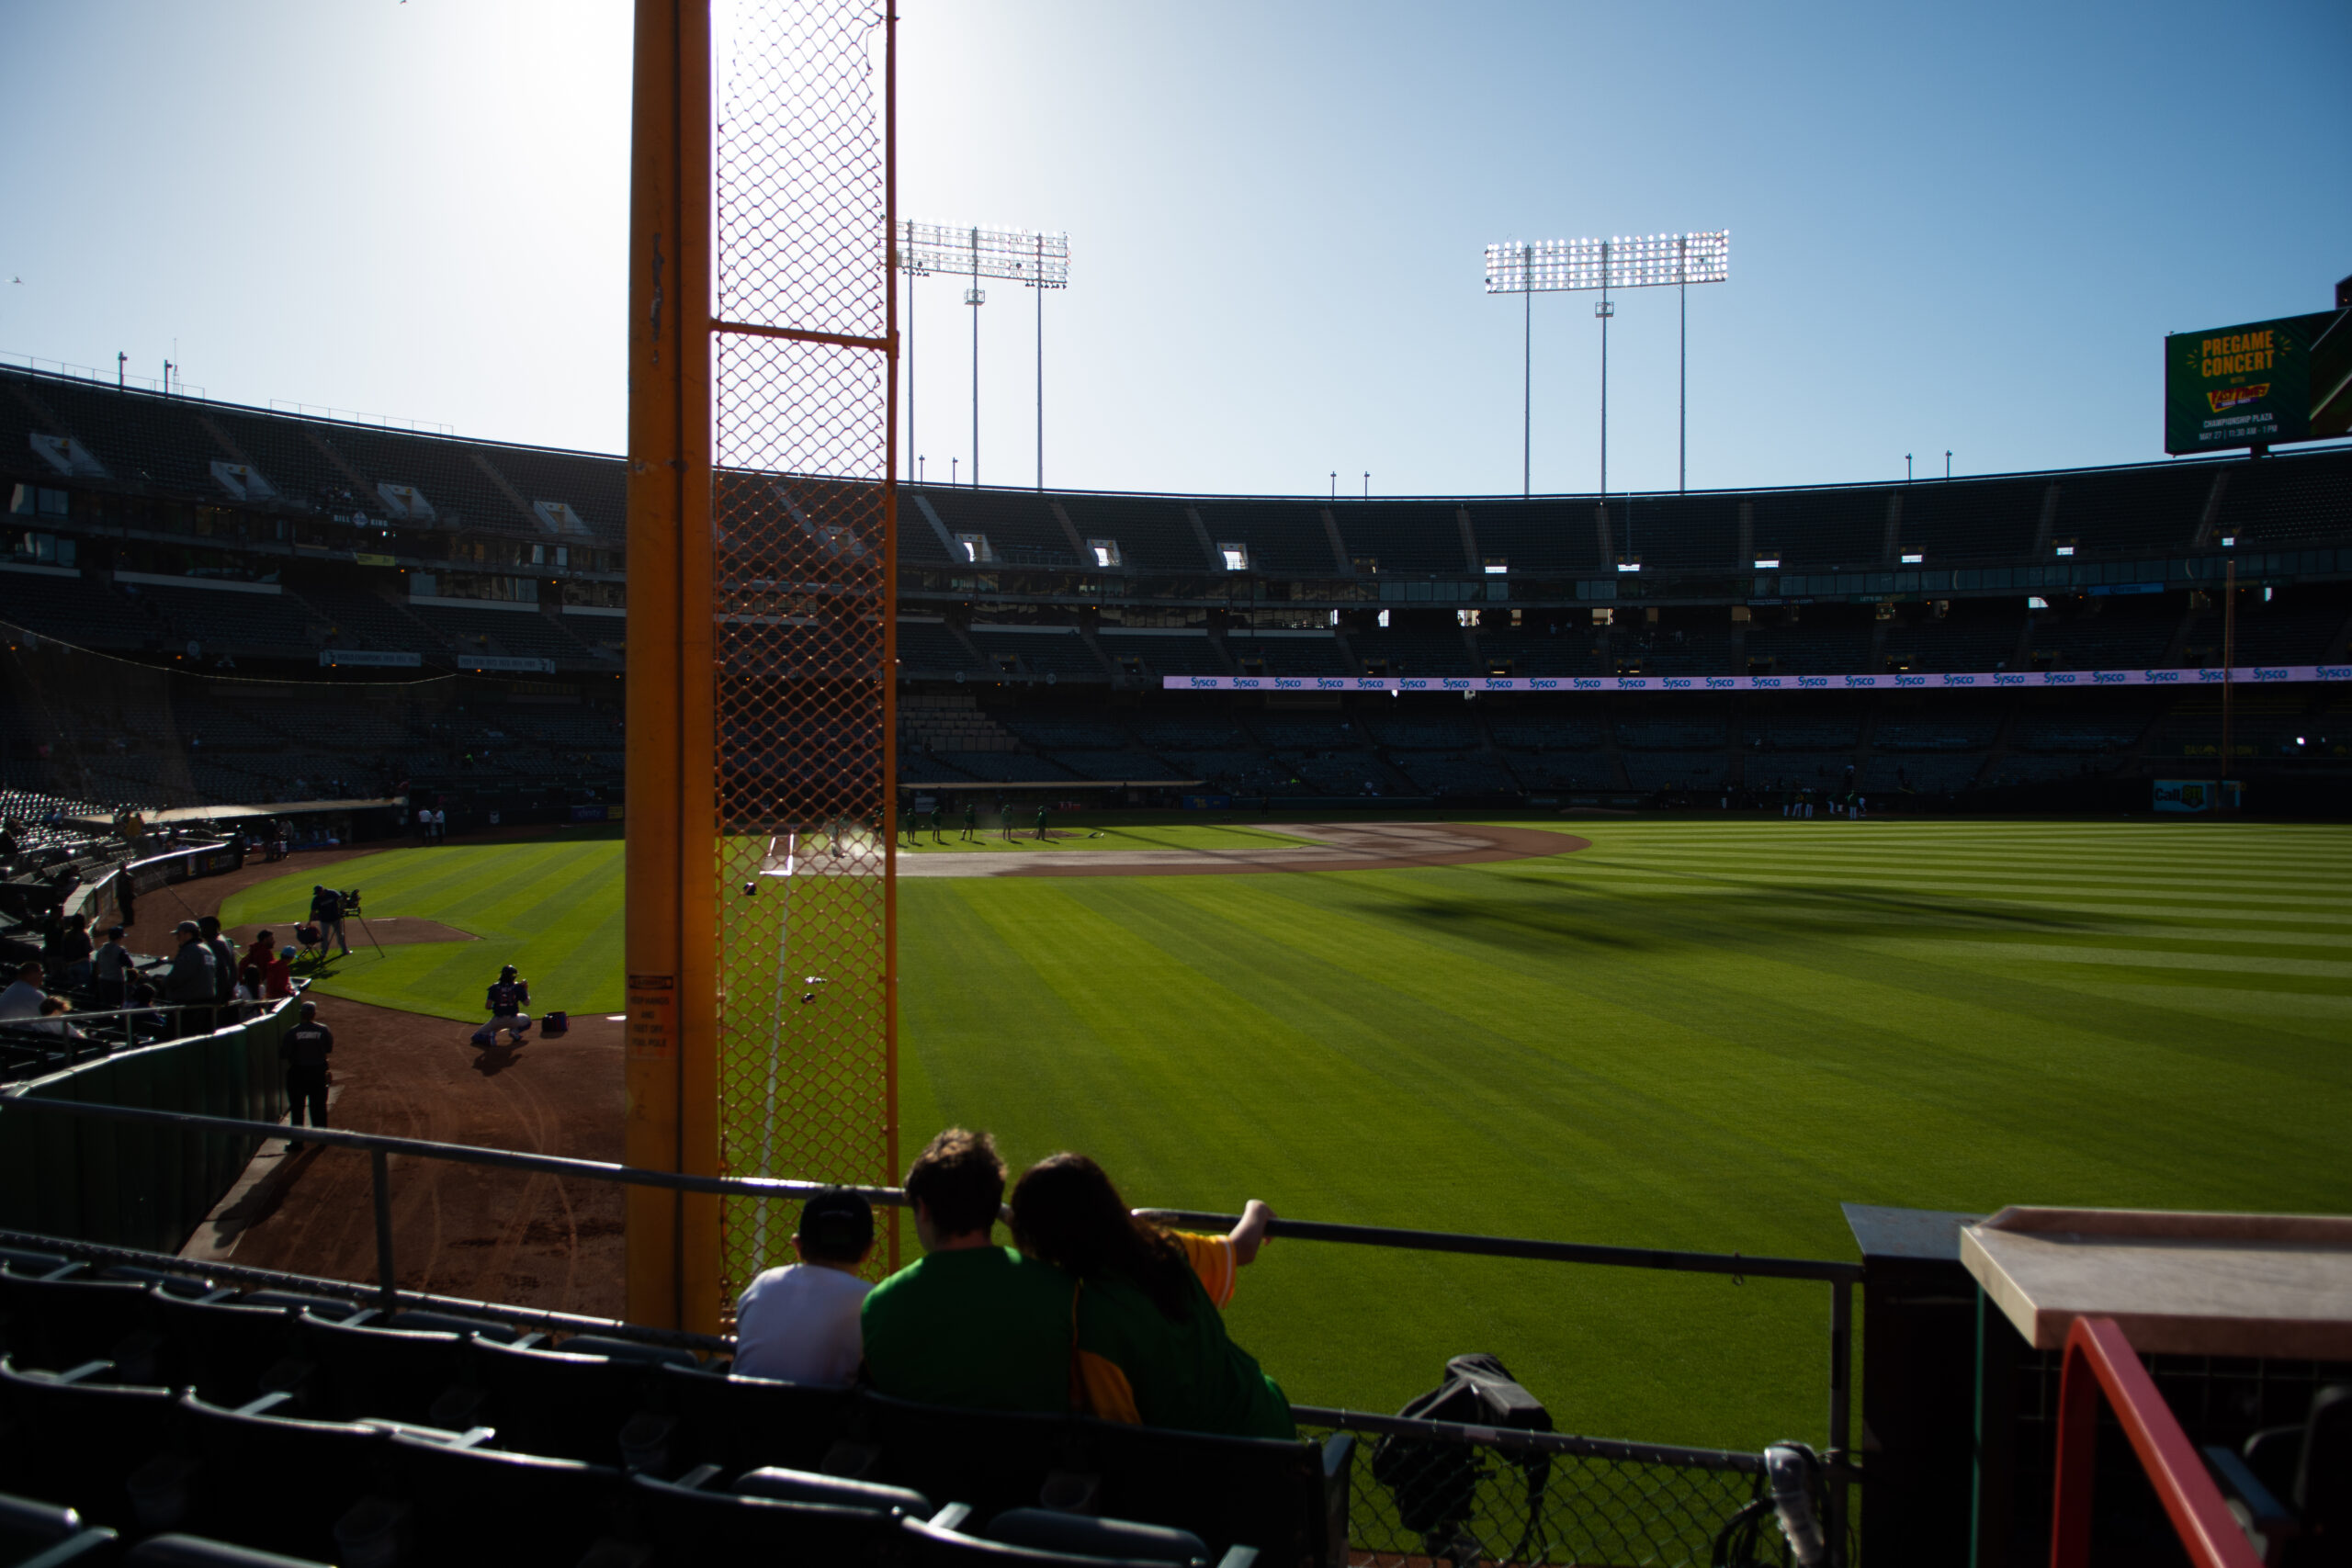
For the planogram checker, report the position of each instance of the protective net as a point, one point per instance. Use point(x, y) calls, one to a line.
point(803, 566)
point(1421, 1493)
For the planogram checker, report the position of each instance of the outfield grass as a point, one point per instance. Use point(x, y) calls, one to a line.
point(552, 907)
point(1696, 1033)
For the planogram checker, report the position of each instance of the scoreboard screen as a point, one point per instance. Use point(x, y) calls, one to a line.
point(2261, 384)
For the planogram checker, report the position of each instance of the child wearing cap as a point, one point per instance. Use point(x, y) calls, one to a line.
point(798, 1323)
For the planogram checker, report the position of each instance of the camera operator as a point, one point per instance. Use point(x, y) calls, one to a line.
point(326, 913)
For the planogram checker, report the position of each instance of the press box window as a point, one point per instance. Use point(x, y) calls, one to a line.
point(1105, 552)
point(1235, 557)
point(973, 548)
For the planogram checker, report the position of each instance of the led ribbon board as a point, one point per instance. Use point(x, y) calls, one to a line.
point(1906, 681)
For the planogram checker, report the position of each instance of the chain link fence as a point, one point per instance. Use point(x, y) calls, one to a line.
point(1423, 1492)
point(803, 560)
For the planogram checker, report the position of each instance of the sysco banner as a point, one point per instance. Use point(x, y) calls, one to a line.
point(1991, 680)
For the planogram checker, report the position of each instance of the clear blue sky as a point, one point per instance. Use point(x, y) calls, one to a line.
point(1963, 226)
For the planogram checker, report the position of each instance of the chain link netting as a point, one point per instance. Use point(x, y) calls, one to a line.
point(1417, 1501)
point(800, 599)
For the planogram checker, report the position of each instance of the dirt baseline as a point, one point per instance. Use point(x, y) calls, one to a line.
point(1331, 846)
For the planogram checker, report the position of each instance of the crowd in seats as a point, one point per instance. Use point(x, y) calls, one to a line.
point(158, 1405)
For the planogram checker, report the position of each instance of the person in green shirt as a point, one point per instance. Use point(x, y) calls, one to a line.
point(1151, 1344)
point(970, 1324)
point(971, 816)
point(1041, 822)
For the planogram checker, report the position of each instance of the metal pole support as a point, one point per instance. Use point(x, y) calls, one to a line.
point(1841, 1412)
point(380, 1177)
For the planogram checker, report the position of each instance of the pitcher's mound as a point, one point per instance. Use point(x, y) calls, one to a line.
point(392, 930)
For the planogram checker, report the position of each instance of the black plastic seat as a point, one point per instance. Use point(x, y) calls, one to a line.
point(333, 1309)
point(1286, 1498)
point(221, 1348)
point(551, 1402)
point(276, 1484)
point(77, 1443)
point(992, 1459)
point(362, 1371)
point(45, 1534)
point(806, 1486)
point(629, 1351)
point(739, 1424)
point(187, 1286)
point(482, 1329)
point(1082, 1535)
point(195, 1551)
point(936, 1546)
point(57, 1325)
point(688, 1527)
point(481, 1506)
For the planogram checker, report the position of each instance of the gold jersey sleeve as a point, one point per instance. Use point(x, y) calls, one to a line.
point(1212, 1260)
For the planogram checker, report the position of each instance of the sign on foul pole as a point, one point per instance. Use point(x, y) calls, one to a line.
point(762, 952)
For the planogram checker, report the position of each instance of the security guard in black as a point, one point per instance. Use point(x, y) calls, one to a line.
point(305, 1049)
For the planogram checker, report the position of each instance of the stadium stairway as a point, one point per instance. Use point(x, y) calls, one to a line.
point(311, 1427)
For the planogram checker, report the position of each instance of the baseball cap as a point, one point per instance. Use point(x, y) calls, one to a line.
point(836, 1225)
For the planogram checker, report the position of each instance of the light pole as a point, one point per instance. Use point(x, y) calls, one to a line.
point(974, 297)
point(1906, 467)
point(1947, 465)
point(1639, 261)
point(1025, 257)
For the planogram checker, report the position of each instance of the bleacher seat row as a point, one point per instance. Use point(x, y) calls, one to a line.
point(309, 1426)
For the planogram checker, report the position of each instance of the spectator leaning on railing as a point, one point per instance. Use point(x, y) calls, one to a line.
point(1151, 1345)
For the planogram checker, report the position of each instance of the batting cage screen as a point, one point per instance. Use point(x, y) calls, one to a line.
point(803, 560)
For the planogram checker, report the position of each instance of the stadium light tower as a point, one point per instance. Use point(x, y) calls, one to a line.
point(1025, 257)
point(1641, 261)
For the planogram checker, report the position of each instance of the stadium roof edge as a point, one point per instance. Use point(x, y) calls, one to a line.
point(2314, 449)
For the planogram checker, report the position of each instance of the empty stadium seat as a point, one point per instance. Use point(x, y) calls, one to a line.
point(475, 1506)
point(76, 1441)
point(357, 1371)
point(57, 1325)
point(195, 1551)
point(38, 1535)
point(558, 1404)
point(741, 1424)
point(315, 1470)
point(806, 1486)
point(691, 1525)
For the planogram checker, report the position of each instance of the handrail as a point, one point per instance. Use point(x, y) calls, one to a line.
point(2101, 1360)
point(1737, 1265)
point(1733, 1263)
point(461, 1154)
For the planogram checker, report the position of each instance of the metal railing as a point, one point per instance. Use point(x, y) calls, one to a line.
point(1698, 1498)
point(2100, 1363)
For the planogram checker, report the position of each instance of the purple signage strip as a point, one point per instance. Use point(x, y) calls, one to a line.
point(1993, 679)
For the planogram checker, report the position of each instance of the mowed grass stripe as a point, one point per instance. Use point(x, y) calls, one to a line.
point(1692, 1034)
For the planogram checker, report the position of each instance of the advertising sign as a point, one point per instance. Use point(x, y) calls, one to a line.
point(2259, 384)
point(1890, 680)
point(2197, 794)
